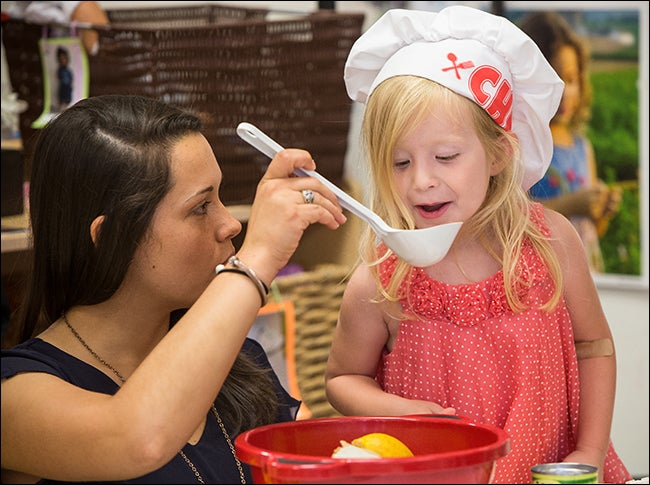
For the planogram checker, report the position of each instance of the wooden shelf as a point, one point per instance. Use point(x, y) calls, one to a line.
point(13, 144)
point(15, 233)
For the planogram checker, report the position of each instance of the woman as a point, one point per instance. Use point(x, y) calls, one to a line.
point(128, 228)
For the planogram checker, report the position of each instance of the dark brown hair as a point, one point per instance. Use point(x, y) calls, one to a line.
point(110, 155)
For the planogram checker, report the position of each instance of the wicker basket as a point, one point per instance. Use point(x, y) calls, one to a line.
point(316, 297)
point(227, 65)
point(183, 17)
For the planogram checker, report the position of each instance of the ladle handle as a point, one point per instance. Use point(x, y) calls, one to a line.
point(265, 144)
point(255, 137)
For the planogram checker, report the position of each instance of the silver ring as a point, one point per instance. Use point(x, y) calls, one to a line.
point(308, 196)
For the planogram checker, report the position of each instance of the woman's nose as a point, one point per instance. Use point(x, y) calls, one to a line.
point(227, 226)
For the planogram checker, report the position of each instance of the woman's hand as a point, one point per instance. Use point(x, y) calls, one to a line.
point(280, 214)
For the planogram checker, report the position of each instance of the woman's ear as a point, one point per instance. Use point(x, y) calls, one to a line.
point(95, 229)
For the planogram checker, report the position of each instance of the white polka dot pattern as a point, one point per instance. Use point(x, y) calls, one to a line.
point(465, 348)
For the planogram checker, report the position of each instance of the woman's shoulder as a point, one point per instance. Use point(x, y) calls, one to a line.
point(36, 355)
point(33, 355)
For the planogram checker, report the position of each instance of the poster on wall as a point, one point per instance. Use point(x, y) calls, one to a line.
point(65, 76)
point(600, 147)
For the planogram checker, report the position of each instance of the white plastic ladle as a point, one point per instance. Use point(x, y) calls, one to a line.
point(418, 247)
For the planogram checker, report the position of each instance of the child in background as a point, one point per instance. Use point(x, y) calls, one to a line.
point(571, 185)
point(507, 328)
point(65, 77)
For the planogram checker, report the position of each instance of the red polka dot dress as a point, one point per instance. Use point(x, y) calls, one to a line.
point(464, 348)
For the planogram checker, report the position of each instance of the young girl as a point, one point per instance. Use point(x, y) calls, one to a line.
point(507, 329)
point(571, 185)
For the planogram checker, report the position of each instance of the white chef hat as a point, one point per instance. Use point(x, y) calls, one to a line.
point(481, 56)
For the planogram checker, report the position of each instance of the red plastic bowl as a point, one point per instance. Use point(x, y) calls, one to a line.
point(447, 449)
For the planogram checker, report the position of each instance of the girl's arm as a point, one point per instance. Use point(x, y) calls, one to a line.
point(359, 339)
point(596, 358)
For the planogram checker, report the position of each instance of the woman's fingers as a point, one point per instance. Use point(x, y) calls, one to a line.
point(286, 161)
point(309, 191)
point(308, 196)
point(284, 207)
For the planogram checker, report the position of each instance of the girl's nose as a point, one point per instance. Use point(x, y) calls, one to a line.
point(425, 176)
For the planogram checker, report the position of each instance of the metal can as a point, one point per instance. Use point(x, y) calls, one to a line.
point(564, 473)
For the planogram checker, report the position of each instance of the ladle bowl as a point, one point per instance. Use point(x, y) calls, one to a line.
point(418, 247)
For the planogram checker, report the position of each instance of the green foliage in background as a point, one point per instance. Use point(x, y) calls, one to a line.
point(614, 125)
point(621, 244)
point(614, 132)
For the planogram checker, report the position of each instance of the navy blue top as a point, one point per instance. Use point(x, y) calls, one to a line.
point(211, 455)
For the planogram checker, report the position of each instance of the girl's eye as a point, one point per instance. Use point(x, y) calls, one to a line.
point(402, 163)
point(447, 158)
point(203, 208)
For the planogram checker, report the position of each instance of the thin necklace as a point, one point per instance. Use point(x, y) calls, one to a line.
point(180, 452)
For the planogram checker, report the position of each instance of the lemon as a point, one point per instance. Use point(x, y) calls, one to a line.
point(346, 450)
point(385, 445)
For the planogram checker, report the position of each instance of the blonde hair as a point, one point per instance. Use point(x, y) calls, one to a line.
point(395, 107)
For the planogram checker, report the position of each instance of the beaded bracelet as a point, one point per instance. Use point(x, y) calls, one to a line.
point(241, 268)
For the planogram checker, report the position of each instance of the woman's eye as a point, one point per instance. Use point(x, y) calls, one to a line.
point(203, 208)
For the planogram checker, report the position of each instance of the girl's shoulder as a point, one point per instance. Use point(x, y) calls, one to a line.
point(562, 234)
point(549, 221)
point(362, 291)
point(361, 286)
